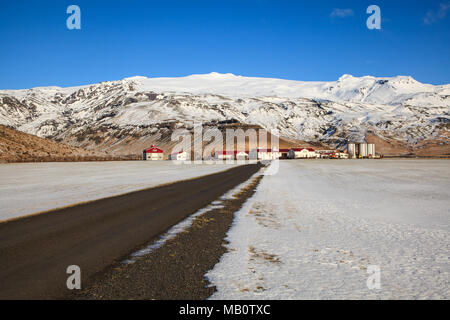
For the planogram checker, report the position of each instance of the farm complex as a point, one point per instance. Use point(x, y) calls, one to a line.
point(354, 150)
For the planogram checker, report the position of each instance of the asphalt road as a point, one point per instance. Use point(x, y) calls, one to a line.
point(176, 270)
point(35, 251)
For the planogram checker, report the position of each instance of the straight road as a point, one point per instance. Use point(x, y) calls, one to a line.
point(35, 251)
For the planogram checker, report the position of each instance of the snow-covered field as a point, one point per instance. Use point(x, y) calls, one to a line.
point(28, 188)
point(315, 229)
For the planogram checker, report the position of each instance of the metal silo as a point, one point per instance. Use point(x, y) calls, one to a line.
point(363, 150)
point(351, 149)
point(371, 150)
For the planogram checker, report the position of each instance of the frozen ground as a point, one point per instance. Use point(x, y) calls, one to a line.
point(312, 231)
point(27, 188)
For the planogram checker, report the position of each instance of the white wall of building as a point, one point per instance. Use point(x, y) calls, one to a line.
point(221, 156)
point(154, 156)
point(304, 153)
point(241, 155)
point(180, 156)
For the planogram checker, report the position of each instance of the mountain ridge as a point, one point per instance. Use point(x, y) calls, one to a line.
point(399, 110)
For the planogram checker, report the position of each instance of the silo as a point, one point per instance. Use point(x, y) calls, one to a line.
point(351, 149)
point(371, 150)
point(363, 150)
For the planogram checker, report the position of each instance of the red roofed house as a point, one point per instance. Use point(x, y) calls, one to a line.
point(224, 155)
point(153, 153)
point(297, 153)
point(231, 155)
point(241, 155)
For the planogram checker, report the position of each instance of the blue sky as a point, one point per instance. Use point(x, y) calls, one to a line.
point(298, 40)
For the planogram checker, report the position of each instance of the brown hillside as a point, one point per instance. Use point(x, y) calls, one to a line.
point(17, 146)
point(424, 148)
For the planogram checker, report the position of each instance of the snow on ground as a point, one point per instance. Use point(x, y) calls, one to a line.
point(314, 229)
point(27, 188)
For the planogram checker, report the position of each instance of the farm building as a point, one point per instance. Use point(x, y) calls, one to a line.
point(264, 154)
point(224, 155)
point(331, 154)
point(231, 155)
point(298, 153)
point(153, 153)
point(340, 155)
point(325, 154)
point(241, 155)
point(179, 156)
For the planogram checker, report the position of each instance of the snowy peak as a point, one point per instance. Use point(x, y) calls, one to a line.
point(397, 108)
point(383, 90)
point(368, 89)
point(213, 75)
point(397, 79)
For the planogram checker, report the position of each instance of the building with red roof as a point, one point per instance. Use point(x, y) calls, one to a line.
point(231, 155)
point(153, 153)
point(299, 153)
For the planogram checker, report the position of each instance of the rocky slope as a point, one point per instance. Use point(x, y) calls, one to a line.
point(16, 146)
point(401, 115)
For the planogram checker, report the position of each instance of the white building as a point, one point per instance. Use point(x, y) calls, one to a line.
point(153, 153)
point(301, 153)
point(224, 155)
point(340, 155)
point(179, 156)
point(264, 154)
point(241, 155)
point(231, 155)
point(325, 153)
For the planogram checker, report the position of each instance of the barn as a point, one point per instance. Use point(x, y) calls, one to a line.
point(224, 155)
point(280, 154)
point(340, 155)
point(241, 155)
point(153, 153)
point(231, 155)
point(298, 153)
point(179, 156)
point(264, 154)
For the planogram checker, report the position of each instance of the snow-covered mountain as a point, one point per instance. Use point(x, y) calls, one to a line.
point(398, 110)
